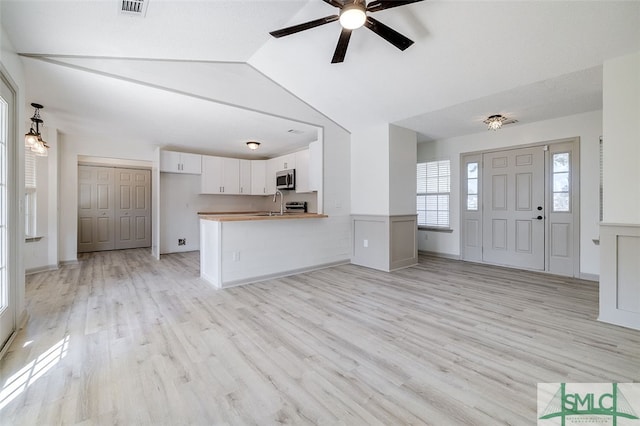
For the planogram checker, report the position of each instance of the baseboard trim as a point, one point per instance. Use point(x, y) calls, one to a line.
point(589, 277)
point(41, 269)
point(408, 264)
point(283, 274)
point(438, 254)
point(68, 262)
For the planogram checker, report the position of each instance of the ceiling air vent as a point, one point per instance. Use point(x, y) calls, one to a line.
point(134, 7)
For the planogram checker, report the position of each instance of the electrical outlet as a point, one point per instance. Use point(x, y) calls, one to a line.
point(182, 241)
point(236, 256)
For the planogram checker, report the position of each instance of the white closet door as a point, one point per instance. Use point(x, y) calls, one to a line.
point(132, 208)
point(95, 209)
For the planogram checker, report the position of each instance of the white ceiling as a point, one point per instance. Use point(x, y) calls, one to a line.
point(174, 76)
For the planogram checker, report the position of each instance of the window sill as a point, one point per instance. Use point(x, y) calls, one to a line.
point(29, 239)
point(435, 229)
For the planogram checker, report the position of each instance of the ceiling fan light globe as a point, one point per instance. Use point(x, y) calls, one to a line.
point(352, 17)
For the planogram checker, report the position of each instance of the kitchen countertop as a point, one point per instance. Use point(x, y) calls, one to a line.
point(245, 216)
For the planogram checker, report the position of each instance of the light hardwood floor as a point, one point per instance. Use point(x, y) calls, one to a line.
point(124, 339)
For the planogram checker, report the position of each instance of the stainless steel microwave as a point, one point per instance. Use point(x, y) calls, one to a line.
point(286, 179)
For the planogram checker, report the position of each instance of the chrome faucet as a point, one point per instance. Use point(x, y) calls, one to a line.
point(281, 201)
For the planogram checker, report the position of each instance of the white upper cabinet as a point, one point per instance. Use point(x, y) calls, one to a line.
point(245, 176)
point(232, 176)
point(302, 171)
point(258, 177)
point(309, 168)
point(273, 165)
point(285, 162)
point(315, 166)
point(180, 162)
point(220, 175)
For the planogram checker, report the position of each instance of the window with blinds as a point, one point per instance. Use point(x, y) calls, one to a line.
point(434, 187)
point(29, 192)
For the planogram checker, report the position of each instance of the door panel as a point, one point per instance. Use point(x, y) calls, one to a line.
point(513, 190)
point(563, 212)
point(95, 209)
point(133, 212)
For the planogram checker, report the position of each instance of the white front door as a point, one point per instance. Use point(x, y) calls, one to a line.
point(7, 135)
point(513, 224)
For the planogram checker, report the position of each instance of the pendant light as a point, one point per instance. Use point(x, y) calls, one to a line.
point(33, 138)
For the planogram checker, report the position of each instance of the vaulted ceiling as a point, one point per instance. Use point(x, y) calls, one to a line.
point(206, 74)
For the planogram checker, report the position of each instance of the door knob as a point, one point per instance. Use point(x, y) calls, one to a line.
point(539, 207)
point(537, 217)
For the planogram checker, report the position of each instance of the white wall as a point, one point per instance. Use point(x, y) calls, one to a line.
point(180, 202)
point(402, 173)
point(370, 170)
point(621, 140)
point(587, 126)
point(43, 254)
point(619, 278)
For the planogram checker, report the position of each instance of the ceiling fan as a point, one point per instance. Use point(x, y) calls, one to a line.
point(353, 15)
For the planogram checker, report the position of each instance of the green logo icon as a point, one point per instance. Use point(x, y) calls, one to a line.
point(588, 403)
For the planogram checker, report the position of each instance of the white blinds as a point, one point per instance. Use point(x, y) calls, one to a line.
point(433, 188)
point(29, 168)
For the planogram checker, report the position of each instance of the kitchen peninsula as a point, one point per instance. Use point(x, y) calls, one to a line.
point(240, 248)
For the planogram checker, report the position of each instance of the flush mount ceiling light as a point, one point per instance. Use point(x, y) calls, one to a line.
point(353, 16)
point(494, 122)
point(253, 145)
point(33, 139)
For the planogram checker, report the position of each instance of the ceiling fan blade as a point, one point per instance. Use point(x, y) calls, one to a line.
point(306, 26)
point(341, 48)
point(379, 5)
point(334, 3)
point(388, 33)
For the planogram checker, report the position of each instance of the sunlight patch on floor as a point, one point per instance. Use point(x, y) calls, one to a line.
point(31, 372)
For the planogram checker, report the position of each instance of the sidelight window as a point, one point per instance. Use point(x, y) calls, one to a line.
point(561, 176)
point(472, 186)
